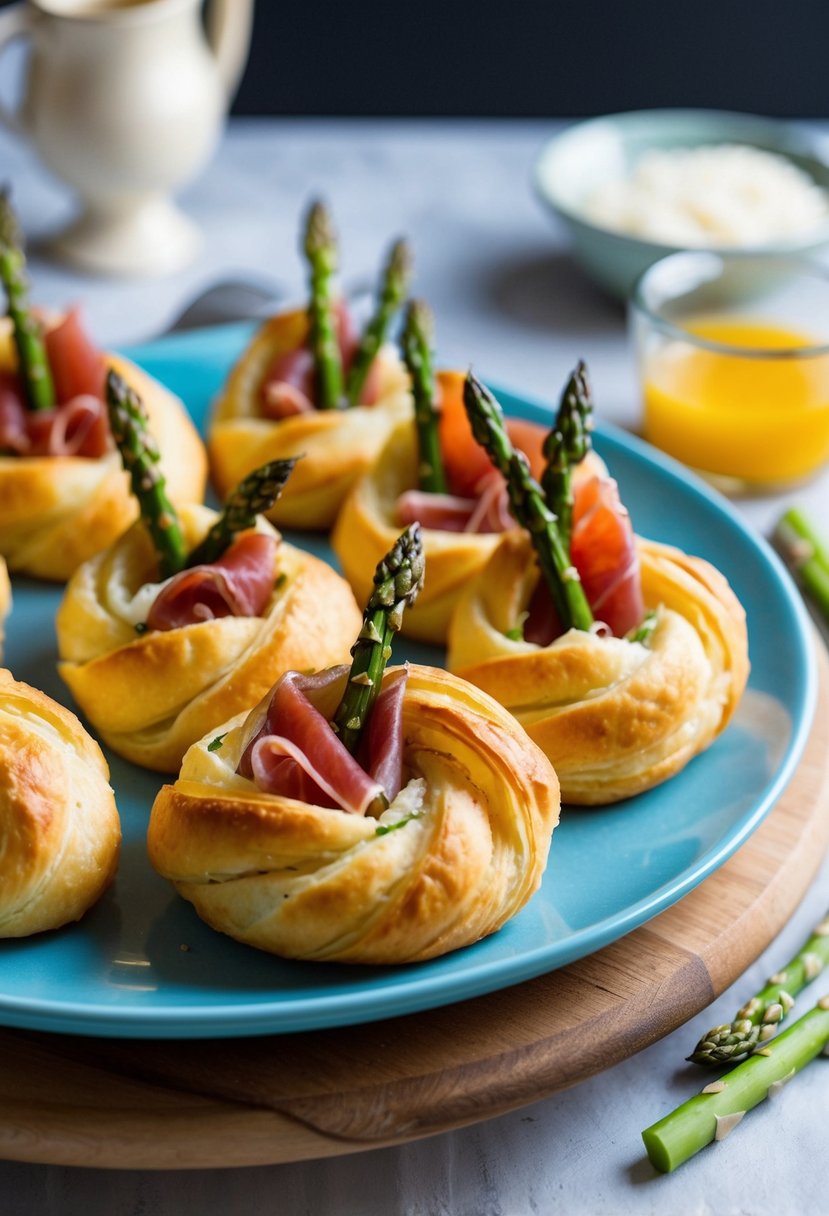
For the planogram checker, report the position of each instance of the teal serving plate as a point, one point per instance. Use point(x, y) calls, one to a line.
point(142, 965)
point(585, 156)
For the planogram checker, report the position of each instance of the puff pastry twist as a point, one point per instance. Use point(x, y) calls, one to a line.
point(58, 511)
point(615, 717)
point(150, 695)
point(59, 827)
point(474, 828)
point(337, 445)
point(367, 526)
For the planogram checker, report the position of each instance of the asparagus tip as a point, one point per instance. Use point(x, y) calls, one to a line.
point(419, 323)
point(320, 236)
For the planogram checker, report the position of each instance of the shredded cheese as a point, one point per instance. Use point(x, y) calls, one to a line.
point(722, 194)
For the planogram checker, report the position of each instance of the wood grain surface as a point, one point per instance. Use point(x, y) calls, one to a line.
point(167, 1105)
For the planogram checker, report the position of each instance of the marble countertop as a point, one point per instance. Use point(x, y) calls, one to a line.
point(508, 298)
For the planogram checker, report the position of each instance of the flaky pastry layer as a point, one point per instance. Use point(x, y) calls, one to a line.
point(306, 882)
point(614, 717)
point(57, 511)
point(151, 695)
point(336, 445)
point(59, 826)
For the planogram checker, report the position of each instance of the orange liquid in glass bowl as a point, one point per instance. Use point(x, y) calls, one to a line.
point(760, 420)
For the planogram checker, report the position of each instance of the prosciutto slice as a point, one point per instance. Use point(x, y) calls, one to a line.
point(78, 426)
point(603, 550)
point(239, 583)
point(288, 386)
point(296, 754)
point(488, 512)
point(14, 435)
point(78, 368)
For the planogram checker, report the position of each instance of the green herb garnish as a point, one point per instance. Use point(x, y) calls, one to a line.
point(385, 828)
point(642, 633)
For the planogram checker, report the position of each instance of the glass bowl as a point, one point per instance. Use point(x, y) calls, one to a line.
point(733, 361)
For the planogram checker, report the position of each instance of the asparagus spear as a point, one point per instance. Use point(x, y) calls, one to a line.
point(321, 251)
point(397, 582)
point(757, 1021)
point(28, 335)
point(393, 288)
point(567, 444)
point(713, 1113)
point(129, 425)
point(806, 554)
point(418, 335)
point(528, 506)
point(253, 496)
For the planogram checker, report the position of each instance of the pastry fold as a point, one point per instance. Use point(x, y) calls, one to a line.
point(615, 717)
point(302, 881)
point(59, 826)
point(367, 528)
point(151, 695)
point(336, 445)
point(57, 511)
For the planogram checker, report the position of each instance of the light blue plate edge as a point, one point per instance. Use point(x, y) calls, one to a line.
point(424, 993)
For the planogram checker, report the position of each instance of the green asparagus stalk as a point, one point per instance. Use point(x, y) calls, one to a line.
point(713, 1113)
point(528, 506)
point(253, 496)
point(759, 1018)
point(28, 333)
point(567, 444)
point(806, 555)
point(397, 583)
point(417, 338)
point(140, 456)
point(394, 286)
point(321, 251)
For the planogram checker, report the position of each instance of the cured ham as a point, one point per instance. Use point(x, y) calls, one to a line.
point(603, 550)
point(488, 511)
point(239, 583)
point(477, 500)
point(383, 756)
point(288, 386)
point(77, 366)
point(78, 426)
point(294, 753)
point(14, 435)
point(465, 462)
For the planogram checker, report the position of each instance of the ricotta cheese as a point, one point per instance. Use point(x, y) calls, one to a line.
point(724, 194)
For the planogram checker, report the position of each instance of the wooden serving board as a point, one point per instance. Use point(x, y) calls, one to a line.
point(168, 1105)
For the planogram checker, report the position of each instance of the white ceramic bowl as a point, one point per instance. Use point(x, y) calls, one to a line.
point(586, 156)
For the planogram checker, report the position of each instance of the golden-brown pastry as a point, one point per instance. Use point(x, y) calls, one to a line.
point(368, 524)
point(459, 851)
point(57, 511)
point(371, 515)
point(151, 694)
point(337, 445)
point(59, 826)
point(5, 602)
point(614, 716)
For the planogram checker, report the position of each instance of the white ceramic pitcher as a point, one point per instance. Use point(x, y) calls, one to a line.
point(124, 101)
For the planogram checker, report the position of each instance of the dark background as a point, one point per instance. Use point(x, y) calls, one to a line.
point(529, 58)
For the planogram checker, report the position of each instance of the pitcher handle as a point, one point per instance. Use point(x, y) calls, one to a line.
point(229, 24)
point(15, 22)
